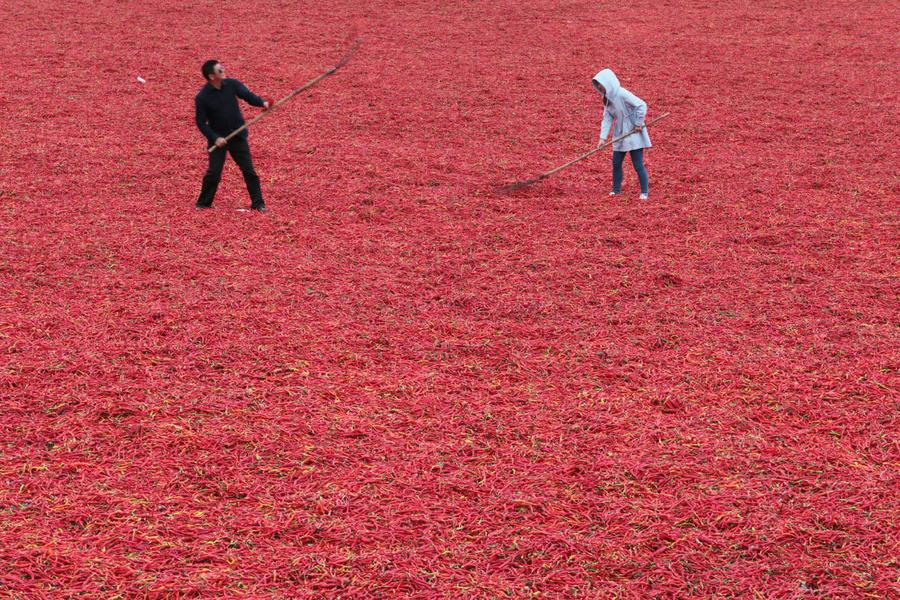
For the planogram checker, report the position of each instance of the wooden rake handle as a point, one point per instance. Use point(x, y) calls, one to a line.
point(602, 146)
point(300, 89)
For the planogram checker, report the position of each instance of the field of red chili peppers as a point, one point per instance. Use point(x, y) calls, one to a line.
point(400, 383)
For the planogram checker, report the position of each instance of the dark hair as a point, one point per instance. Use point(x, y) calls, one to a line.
point(208, 68)
point(602, 90)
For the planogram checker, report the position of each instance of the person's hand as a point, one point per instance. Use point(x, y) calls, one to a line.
point(600, 143)
point(638, 127)
point(220, 142)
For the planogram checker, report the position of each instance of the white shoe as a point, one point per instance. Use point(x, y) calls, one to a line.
point(644, 196)
point(614, 193)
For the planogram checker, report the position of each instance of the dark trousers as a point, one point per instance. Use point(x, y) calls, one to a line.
point(637, 161)
point(240, 152)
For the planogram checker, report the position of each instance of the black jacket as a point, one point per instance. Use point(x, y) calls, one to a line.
point(217, 110)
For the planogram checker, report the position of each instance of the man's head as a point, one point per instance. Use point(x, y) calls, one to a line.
point(213, 71)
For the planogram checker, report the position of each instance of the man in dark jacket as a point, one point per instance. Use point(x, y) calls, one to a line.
point(217, 116)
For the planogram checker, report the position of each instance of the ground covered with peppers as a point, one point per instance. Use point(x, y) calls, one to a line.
point(399, 382)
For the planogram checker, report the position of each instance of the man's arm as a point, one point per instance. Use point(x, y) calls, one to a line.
point(202, 123)
point(249, 97)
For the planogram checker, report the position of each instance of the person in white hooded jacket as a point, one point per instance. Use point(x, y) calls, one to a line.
point(623, 112)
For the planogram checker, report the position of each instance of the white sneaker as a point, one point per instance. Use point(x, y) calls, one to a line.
point(644, 196)
point(614, 193)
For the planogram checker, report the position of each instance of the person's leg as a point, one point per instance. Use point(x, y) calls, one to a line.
point(637, 160)
point(211, 178)
point(240, 152)
point(617, 159)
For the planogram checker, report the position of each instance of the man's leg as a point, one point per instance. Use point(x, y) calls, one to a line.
point(211, 178)
point(240, 152)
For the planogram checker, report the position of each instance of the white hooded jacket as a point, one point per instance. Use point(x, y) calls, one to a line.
point(623, 112)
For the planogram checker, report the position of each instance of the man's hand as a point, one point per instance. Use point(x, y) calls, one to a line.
point(220, 142)
point(638, 127)
point(600, 143)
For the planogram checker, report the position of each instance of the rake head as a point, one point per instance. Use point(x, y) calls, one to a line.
point(349, 54)
point(518, 185)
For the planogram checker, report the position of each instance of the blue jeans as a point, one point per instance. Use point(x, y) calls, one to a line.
point(637, 161)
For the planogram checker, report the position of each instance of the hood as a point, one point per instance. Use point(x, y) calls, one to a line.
point(609, 81)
